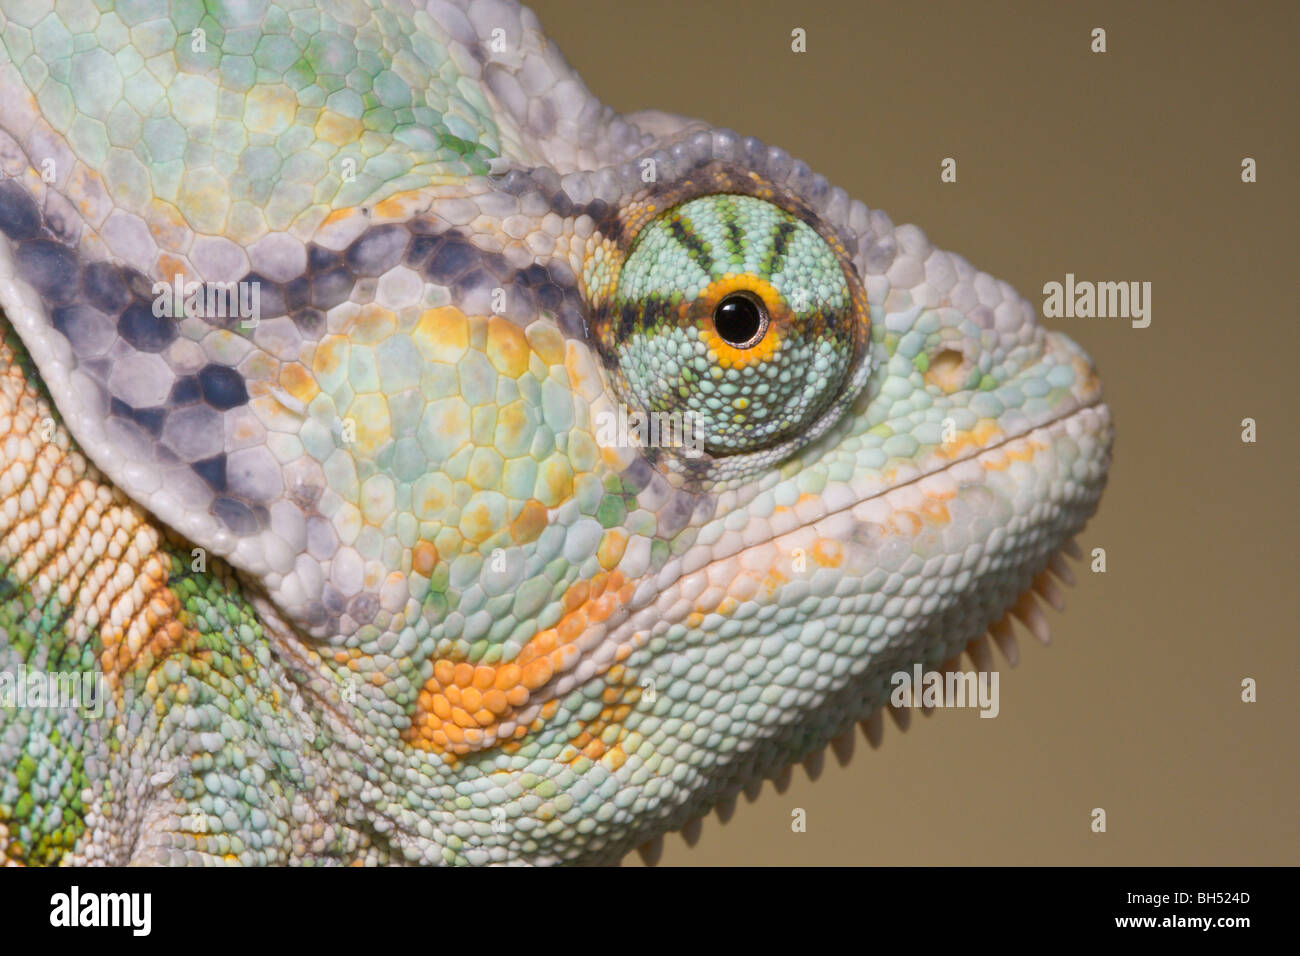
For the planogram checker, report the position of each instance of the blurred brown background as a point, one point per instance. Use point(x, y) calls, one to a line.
point(1117, 166)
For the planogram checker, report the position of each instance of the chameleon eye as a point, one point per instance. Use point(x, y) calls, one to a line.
point(738, 316)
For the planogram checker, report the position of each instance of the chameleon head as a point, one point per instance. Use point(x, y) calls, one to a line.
point(825, 452)
point(581, 477)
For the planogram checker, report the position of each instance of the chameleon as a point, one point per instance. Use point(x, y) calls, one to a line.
point(430, 465)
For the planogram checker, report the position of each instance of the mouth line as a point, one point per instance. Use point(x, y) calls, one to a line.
point(1080, 409)
point(1007, 440)
point(663, 584)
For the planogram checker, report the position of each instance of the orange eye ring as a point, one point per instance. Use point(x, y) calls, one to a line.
point(764, 342)
point(740, 319)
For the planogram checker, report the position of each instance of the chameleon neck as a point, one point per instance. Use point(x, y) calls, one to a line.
point(209, 753)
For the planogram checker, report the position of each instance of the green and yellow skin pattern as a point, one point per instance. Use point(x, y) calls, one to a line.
point(329, 330)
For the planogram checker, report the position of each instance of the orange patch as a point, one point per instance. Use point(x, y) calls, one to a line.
point(424, 559)
point(331, 352)
point(171, 267)
point(143, 625)
point(615, 758)
point(507, 349)
point(612, 546)
point(338, 215)
point(773, 581)
point(402, 205)
point(828, 553)
point(464, 707)
point(600, 737)
point(985, 433)
point(167, 225)
point(297, 381)
point(371, 325)
point(935, 512)
point(1025, 452)
point(442, 334)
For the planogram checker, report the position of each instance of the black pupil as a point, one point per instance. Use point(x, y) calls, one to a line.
point(738, 319)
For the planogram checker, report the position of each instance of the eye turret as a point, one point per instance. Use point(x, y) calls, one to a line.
point(736, 314)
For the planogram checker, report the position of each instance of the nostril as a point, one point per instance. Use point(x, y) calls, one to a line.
point(947, 371)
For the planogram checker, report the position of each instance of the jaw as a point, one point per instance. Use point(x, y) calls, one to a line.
point(760, 656)
point(909, 574)
point(763, 654)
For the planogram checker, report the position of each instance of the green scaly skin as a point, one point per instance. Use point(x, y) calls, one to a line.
point(380, 566)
